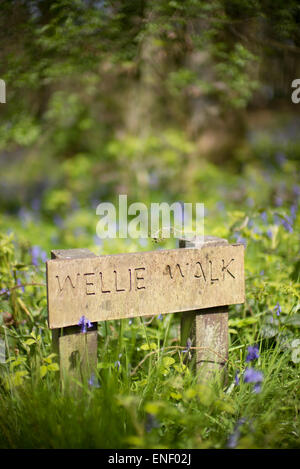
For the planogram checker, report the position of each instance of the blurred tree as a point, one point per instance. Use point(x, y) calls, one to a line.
point(81, 73)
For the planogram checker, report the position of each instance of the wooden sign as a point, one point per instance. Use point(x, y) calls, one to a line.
point(145, 283)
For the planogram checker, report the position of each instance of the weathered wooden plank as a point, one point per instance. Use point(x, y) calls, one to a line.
point(145, 283)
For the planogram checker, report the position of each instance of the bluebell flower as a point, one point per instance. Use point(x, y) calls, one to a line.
point(235, 436)
point(237, 379)
point(151, 422)
point(188, 346)
point(296, 191)
point(38, 255)
point(294, 209)
point(84, 323)
point(58, 221)
point(160, 317)
point(287, 225)
point(130, 321)
point(253, 353)
point(35, 254)
point(118, 363)
point(253, 376)
point(20, 283)
point(262, 272)
point(240, 239)
point(93, 382)
point(257, 388)
point(36, 204)
point(264, 217)
point(277, 309)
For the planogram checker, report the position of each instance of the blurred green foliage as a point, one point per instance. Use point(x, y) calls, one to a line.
point(162, 101)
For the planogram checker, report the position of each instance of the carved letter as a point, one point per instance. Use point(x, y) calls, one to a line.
point(89, 283)
point(212, 280)
point(139, 278)
point(65, 282)
point(201, 273)
point(225, 267)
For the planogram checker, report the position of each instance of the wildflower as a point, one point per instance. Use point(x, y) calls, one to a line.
point(262, 272)
point(84, 323)
point(277, 309)
point(296, 191)
point(294, 209)
point(188, 346)
point(234, 437)
point(269, 234)
point(287, 226)
point(240, 239)
point(237, 379)
point(130, 322)
point(160, 317)
point(252, 353)
point(264, 217)
point(118, 363)
point(253, 376)
point(93, 382)
point(37, 254)
point(151, 422)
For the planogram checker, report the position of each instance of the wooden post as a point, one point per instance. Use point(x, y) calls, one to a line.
point(206, 328)
point(77, 350)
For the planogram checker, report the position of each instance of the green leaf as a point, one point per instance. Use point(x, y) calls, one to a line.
point(53, 367)
point(43, 371)
point(168, 361)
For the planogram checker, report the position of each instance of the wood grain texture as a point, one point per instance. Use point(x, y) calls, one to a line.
point(77, 351)
point(207, 330)
point(145, 283)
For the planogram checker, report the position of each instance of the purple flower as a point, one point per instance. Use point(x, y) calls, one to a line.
point(287, 226)
point(240, 239)
point(37, 254)
point(262, 272)
point(118, 363)
point(151, 422)
point(253, 353)
point(277, 309)
point(188, 346)
point(253, 376)
point(93, 382)
point(234, 437)
point(296, 191)
point(237, 379)
point(84, 323)
point(264, 217)
point(257, 388)
point(160, 317)
point(294, 209)
point(20, 284)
